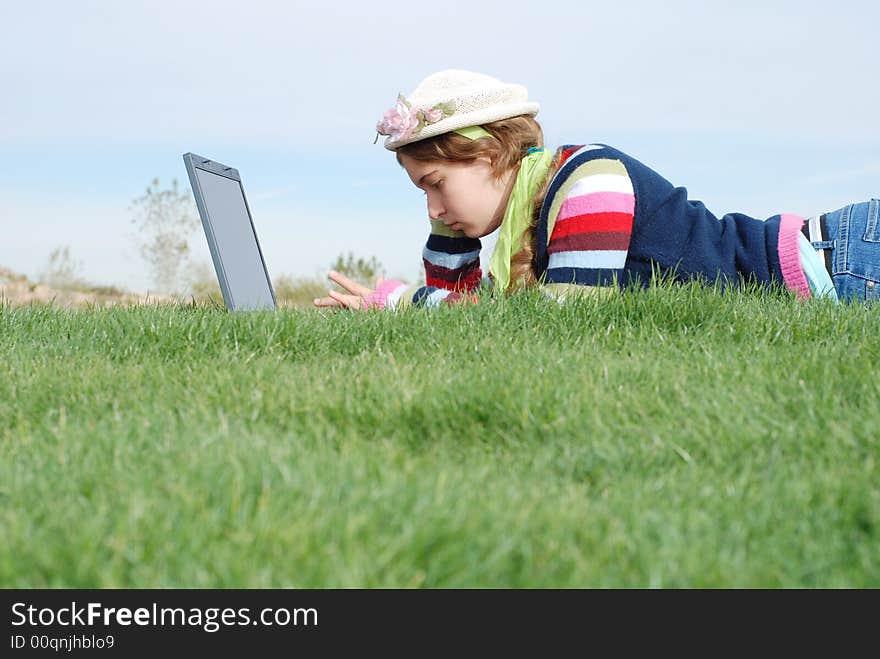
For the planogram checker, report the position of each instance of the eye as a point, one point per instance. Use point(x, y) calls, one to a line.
point(437, 184)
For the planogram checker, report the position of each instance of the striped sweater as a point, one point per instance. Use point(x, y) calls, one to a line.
point(608, 219)
point(588, 214)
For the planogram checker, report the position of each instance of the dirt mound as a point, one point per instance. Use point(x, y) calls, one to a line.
point(17, 289)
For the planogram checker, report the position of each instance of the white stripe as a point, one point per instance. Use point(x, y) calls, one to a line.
point(601, 183)
point(605, 259)
point(394, 297)
point(588, 147)
point(435, 298)
point(583, 149)
point(815, 230)
point(451, 261)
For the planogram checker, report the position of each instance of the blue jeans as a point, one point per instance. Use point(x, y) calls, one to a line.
point(854, 239)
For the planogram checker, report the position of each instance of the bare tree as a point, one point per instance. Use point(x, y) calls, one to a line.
point(63, 271)
point(166, 220)
point(360, 269)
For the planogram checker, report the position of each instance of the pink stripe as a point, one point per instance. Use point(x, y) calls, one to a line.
point(379, 297)
point(597, 202)
point(789, 256)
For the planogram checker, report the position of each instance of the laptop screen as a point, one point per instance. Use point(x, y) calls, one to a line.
point(231, 235)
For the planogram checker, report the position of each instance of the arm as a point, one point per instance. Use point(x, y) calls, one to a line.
point(452, 274)
point(588, 217)
point(389, 294)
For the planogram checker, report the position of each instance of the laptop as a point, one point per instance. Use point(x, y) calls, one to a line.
point(232, 239)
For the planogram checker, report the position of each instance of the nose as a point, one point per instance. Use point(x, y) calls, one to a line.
point(435, 209)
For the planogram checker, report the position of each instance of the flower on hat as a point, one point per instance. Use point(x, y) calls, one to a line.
point(403, 121)
point(398, 121)
point(433, 115)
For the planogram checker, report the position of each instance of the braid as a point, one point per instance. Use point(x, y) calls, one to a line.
point(522, 265)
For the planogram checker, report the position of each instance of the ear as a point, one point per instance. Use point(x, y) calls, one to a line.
point(493, 166)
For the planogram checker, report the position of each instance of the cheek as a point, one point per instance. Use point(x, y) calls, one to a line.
point(491, 198)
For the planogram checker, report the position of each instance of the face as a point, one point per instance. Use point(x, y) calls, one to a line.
point(466, 196)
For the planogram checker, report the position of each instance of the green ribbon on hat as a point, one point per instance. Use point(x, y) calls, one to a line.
point(473, 132)
point(518, 215)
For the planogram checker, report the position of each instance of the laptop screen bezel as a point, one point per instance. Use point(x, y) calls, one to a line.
point(194, 162)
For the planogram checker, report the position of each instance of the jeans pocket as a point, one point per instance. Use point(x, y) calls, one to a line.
point(851, 288)
point(872, 227)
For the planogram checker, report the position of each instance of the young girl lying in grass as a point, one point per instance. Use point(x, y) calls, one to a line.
point(584, 216)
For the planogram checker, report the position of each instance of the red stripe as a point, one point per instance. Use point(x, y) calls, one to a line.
point(567, 153)
point(593, 222)
point(449, 274)
point(462, 282)
point(584, 242)
point(456, 298)
point(471, 281)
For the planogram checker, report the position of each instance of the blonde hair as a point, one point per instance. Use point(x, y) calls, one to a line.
point(513, 138)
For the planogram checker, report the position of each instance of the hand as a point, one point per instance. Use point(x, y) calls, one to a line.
point(355, 298)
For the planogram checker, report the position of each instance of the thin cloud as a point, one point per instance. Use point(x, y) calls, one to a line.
point(128, 87)
point(846, 175)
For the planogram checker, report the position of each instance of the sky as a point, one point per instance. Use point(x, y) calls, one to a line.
point(758, 107)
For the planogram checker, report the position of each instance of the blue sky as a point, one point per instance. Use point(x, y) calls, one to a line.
point(756, 107)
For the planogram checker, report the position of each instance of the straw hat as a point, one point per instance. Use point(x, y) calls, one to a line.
point(448, 100)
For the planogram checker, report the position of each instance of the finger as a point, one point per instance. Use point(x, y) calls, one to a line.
point(326, 302)
point(350, 301)
point(349, 284)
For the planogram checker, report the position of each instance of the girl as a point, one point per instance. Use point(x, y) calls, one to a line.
point(584, 217)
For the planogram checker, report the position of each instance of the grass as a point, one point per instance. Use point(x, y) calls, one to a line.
point(675, 437)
